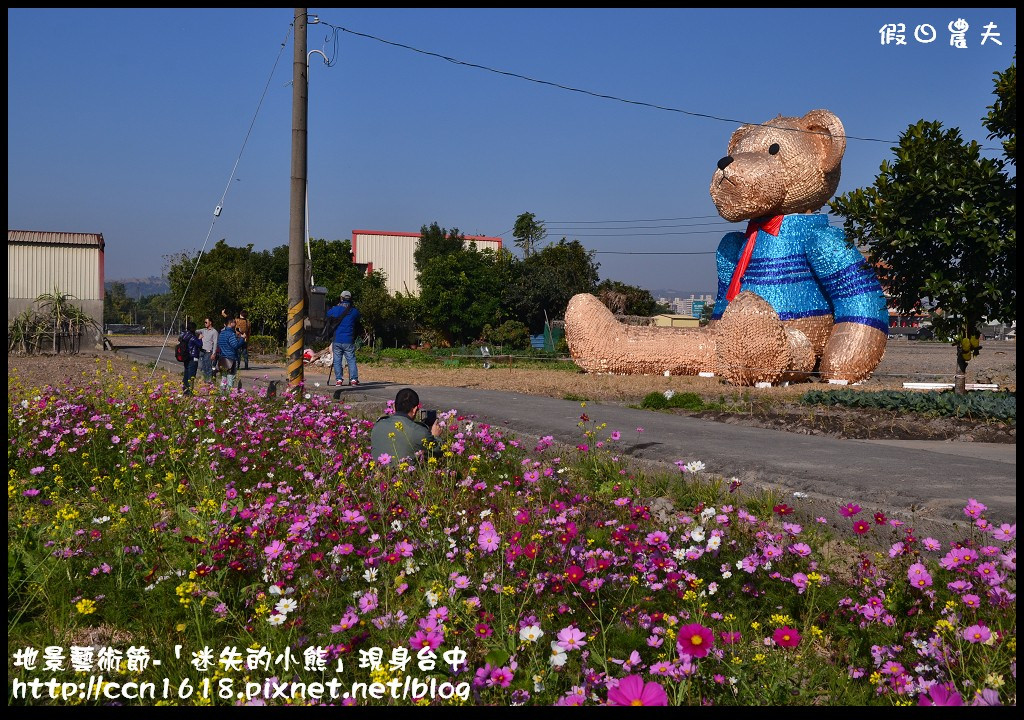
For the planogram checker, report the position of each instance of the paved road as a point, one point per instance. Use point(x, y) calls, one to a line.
point(923, 482)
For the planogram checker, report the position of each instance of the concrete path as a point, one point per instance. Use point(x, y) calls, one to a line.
point(925, 483)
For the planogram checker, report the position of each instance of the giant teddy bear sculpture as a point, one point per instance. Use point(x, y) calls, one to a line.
point(793, 297)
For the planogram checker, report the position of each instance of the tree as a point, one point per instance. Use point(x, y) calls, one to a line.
point(940, 223)
point(118, 308)
point(628, 299)
point(1001, 120)
point(436, 241)
point(460, 292)
point(541, 285)
point(528, 232)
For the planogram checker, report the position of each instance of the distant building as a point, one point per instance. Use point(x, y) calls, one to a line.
point(392, 252)
point(676, 321)
point(69, 263)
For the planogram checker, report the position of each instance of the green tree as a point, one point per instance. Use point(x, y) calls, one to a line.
point(1001, 120)
point(528, 232)
point(939, 223)
point(541, 285)
point(435, 241)
point(705, 313)
point(460, 292)
point(634, 300)
point(118, 308)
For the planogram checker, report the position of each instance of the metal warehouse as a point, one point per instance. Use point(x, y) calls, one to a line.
point(65, 262)
point(392, 253)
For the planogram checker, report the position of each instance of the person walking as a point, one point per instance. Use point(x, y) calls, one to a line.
point(193, 350)
point(344, 344)
point(228, 343)
point(399, 436)
point(242, 330)
point(208, 334)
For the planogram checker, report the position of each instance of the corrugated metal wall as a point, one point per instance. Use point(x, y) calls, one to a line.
point(393, 254)
point(33, 270)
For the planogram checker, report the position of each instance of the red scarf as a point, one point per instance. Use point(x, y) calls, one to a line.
point(770, 225)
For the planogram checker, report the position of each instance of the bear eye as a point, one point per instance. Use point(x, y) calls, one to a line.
point(773, 149)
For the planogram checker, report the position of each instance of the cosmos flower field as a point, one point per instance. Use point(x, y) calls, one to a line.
point(221, 548)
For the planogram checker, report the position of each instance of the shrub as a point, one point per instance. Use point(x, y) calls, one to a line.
point(264, 345)
point(981, 405)
point(685, 401)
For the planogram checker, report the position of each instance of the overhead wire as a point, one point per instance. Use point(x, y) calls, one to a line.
point(223, 199)
point(604, 96)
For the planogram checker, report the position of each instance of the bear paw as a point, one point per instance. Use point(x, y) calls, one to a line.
point(752, 344)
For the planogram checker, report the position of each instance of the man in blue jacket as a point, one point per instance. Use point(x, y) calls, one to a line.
point(344, 344)
point(228, 344)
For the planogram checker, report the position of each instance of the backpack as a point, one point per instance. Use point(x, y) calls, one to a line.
point(181, 351)
point(331, 325)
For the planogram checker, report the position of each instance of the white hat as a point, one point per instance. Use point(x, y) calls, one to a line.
point(346, 295)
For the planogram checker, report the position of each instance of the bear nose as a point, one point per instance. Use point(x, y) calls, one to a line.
point(724, 162)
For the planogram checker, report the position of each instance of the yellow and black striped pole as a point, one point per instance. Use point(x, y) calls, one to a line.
point(297, 216)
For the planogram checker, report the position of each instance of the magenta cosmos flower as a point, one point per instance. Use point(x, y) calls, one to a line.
point(633, 690)
point(849, 510)
point(941, 695)
point(786, 637)
point(695, 640)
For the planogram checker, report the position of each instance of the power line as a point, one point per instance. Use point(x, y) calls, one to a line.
point(603, 96)
point(223, 198)
point(638, 252)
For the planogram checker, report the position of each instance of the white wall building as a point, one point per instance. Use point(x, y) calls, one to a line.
point(392, 253)
point(44, 262)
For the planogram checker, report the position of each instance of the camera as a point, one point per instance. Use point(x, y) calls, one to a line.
point(428, 417)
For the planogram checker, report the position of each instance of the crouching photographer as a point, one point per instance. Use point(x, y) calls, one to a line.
point(402, 436)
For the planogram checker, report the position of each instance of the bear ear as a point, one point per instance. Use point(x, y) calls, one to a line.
point(737, 136)
point(832, 135)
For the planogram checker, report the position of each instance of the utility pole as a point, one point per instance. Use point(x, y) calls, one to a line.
point(297, 227)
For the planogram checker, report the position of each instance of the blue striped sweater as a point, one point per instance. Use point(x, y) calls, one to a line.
point(807, 271)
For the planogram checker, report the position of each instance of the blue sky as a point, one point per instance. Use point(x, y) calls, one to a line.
point(130, 122)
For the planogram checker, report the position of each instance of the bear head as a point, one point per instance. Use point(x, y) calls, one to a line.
point(787, 165)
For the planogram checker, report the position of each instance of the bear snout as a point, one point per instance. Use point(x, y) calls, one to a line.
point(725, 162)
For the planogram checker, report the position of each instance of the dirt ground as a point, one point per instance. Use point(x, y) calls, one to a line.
point(775, 408)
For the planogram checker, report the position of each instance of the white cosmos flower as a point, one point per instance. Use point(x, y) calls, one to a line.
point(714, 542)
point(370, 575)
point(286, 605)
point(531, 633)
point(697, 534)
point(558, 654)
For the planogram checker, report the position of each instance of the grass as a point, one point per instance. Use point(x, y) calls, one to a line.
point(213, 527)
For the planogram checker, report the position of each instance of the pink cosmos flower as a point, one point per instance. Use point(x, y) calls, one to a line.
point(695, 640)
point(849, 510)
point(801, 549)
point(974, 508)
point(274, 549)
point(786, 637)
point(632, 690)
point(500, 677)
point(423, 639)
point(977, 634)
point(571, 638)
point(730, 637)
point(930, 543)
point(488, 542)
point(941, 695)
point(1005, 532)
